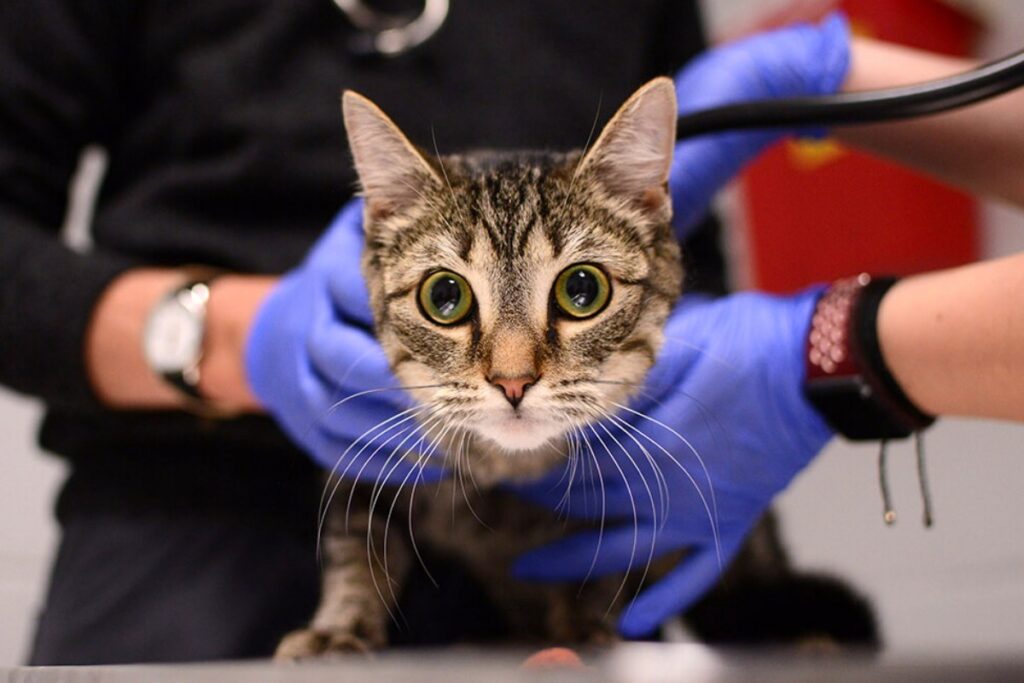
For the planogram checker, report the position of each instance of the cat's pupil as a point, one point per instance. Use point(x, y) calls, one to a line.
point(582, 288)
point(445, 295)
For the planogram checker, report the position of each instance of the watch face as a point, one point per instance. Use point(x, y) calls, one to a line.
point(173, 337)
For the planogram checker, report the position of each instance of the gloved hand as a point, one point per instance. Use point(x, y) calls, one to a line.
point(314, 364)
point(719, 429)
point(794, 61)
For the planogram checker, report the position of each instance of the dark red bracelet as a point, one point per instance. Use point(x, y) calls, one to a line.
point(847, 379)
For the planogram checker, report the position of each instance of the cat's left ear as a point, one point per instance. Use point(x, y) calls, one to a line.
point(633, 154)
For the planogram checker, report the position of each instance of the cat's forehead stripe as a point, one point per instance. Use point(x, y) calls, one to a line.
point(508, 208)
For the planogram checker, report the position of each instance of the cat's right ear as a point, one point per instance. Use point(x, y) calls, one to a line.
point(393, 174)
point(633, 155)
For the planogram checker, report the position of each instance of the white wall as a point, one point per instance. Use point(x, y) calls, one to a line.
point(956, 586)
point(27, 532)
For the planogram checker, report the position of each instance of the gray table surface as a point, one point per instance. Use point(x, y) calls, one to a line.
point(634, 663)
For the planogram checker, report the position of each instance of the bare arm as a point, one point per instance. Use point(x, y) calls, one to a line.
point(954, 339)
point(980, 148)
point(114, 355)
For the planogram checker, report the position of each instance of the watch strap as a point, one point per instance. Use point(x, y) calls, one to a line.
point(847, 379)
point(179, 382)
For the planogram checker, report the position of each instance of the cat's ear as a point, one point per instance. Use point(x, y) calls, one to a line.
point(392, 172)
point(633, 154)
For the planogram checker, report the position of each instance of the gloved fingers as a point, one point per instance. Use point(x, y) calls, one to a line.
point(834, 52)
point(697, 573)
point(349, 358)
point(272, 345)
point(697, 337)
point(341, 242)
point(600, 553)
point(792, 61)
point(341, 412)
point(802, 59)
point(362, 417)
point(680, 352)
point(336, 256)
point(337, 420)
point(348, 292)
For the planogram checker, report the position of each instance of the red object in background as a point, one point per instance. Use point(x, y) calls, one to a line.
point(817, 211)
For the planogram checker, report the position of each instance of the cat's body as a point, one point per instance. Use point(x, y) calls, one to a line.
point(519, 297)
point(484, 531)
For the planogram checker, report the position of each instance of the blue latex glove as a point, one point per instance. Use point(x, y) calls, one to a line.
point(794, 61)
point(726, 386)
point(313, 362)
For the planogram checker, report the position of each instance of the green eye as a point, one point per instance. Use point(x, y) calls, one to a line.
point(445, 297)
point(582, 290)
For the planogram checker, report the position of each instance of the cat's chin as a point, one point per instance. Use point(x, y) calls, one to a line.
point(519, 434)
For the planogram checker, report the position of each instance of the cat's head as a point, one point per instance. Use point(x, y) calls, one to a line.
point(528, 291)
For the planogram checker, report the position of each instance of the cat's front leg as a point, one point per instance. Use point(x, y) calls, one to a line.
point(583, 616)
point(357, 597)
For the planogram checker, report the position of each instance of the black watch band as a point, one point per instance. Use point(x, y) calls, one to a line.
point(177, 380)
point(847, 379)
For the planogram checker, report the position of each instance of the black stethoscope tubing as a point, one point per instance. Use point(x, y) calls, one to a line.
point(864, 107)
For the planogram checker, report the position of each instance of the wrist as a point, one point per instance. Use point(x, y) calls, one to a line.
point(234, 302)
point(847, 379)
point(118, 371)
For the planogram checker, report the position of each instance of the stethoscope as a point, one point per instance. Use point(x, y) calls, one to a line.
point(389, 35)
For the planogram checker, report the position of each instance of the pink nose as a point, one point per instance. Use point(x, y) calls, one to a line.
point(513, 387)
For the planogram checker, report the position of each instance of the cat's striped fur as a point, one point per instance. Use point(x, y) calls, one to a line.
point(508, 223)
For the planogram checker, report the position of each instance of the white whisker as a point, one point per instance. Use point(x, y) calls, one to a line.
point(712, 516)
point(325, 500)
point(420, 462)
point(663, 491)
point(650, 497)
point(376, 491)
point(636, 518)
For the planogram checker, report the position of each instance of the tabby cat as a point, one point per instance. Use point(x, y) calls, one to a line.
point(512, 293)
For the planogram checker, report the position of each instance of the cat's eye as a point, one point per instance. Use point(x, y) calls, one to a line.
point(445, 297)
point(582, 290)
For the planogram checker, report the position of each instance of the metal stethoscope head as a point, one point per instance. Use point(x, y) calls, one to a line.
point(391, 35)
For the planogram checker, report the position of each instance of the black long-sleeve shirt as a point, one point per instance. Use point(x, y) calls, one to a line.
point(222, 124)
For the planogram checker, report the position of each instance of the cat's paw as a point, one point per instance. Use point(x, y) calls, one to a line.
point(309, 643)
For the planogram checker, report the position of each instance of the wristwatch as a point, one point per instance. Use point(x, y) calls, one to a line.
point(172, 340)
point(847, 378)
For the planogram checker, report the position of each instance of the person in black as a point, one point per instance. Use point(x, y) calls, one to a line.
point(183, 537)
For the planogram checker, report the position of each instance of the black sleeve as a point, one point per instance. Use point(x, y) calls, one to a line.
point(58, 93)
point(679, 37)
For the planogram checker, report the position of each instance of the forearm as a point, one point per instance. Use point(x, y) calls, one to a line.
point(954, 339)
point(980, 148)
point(114, 356)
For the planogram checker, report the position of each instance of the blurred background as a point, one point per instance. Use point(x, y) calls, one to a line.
point(956, 587)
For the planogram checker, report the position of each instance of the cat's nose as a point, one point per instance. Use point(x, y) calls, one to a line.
point(513, 387)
